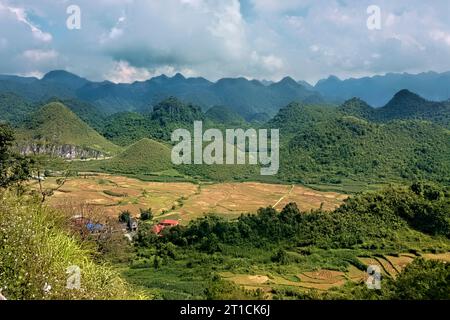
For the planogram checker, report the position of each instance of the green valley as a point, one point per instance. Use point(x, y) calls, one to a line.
point(390, 171)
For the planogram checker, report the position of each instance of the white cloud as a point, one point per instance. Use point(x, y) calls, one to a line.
point(277, 6)
point(34, 74)
point(228, 26)
point(124, 73)
point(37, 55)
point(21, 16)
point(127, 40)
point(314, 48)
point(440, 36)
point(116, 31)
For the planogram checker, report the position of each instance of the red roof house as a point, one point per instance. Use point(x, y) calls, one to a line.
point(164, 224)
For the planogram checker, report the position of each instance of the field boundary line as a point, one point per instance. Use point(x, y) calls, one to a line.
point(282, 198)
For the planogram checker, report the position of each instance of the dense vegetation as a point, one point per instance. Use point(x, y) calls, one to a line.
point(191, 261)
point(246, 97)
point(143, 157)
point(225, 116)
point(405, 105)
point(170, 114)
point(13, 108)
point(56, 125)
point(194, 261)
point(420, 280)
point(36, 251)
point(345, 148)
point(14, 168)
point(406, 140)
point(85, 111)
point(37, 245)
point(320, 146)
point(362, 221)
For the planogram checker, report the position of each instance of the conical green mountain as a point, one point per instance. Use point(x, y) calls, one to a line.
point(56, 124)
point(144, 156)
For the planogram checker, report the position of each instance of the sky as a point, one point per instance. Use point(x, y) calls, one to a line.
point(134, 40)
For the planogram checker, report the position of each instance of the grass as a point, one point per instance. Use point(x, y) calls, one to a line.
point(37, 250)
point(188, 274)
point(55, 124)
point(145, 156)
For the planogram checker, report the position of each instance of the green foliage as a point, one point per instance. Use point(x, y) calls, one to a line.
point(170, 114)
point(225, 116)
point(319, 144)
point(286, 243)
point(146, 214)
point(145, 236)
point(422, 280)
point(405, 105)
point(114, 194)
point(14, 168)
point(219, 289)
point(36, 251)
point(125, 216)
point(145, 156)
point(85, 111)
point(281, 257)
point(57, 125)
point(329, 148)
point(13, 108)
point(360, 220)
point(126, 128)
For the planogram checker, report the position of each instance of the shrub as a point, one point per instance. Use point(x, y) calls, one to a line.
point(422, 280)
point(115, 194)
point(125, 216)
point(146, 214)
point(37, 250)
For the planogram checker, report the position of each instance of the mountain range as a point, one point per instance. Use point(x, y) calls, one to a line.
point(407, 139)
point(246, 97)
point(251, 99)
point(378, 90)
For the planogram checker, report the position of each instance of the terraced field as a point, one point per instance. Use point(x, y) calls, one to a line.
point(184, 201)
point(323, 279)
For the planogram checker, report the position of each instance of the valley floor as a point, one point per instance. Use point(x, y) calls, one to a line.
point(184, 201)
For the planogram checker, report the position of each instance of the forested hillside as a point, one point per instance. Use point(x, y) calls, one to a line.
point(405, 105)
point(407, 139)
point(54, 126)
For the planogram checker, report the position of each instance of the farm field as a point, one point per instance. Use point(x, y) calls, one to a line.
point(182, 200)
point(325, 279)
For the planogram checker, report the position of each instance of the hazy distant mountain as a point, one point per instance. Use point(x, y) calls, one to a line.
point(243, 96)
point(323, 144)
point(225, 116)
point(405, 105)
point(306, 84)
point(246, 97)
point(378, 90)
point(64, 79)
point(266, 82)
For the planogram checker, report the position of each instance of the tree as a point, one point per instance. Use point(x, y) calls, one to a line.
point(422, 280)
point(146, 214)
point(39, 173)
point(125, 216)
point(14, 168)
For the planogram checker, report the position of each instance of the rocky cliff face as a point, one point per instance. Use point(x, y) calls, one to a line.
point(68, 152)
